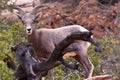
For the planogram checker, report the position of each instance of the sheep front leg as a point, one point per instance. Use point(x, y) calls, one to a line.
point(51, 74)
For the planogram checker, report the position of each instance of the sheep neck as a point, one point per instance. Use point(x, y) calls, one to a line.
point(33, 38)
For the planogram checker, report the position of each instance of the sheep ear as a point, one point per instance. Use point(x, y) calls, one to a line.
point(13, 48)
point(37, 16)
point(19, 17)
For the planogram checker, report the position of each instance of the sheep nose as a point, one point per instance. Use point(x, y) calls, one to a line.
point(29, 30)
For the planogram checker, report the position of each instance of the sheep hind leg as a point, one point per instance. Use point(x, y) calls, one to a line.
point(51, 74)
point(86, 63)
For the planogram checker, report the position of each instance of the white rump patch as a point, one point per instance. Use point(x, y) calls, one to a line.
point(82, 29)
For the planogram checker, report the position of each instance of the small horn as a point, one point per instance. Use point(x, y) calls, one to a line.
point(19, 9)
point(35, 9)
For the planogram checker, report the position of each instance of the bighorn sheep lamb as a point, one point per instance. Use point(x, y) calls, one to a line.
point(33, 67)
point(44, 40)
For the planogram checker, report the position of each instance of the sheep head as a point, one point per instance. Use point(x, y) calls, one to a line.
point(28, 19)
